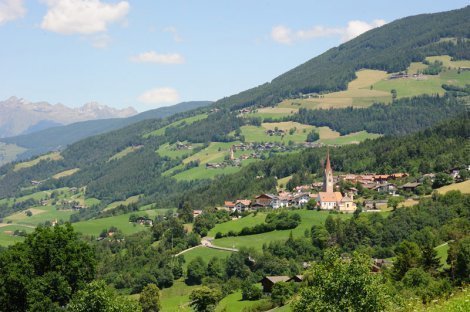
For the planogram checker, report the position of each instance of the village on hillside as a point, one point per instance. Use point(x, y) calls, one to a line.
point(346, 193)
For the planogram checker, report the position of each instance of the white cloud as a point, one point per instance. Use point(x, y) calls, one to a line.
point(11, 10)
point(284, 35)
point(355, 28)
point(82, 16)
point(174, 32)
point(154, 57)
point(160, 96)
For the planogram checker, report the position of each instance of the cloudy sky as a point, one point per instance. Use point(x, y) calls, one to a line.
point(151, 53)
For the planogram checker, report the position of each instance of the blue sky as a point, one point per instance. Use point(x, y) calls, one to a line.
point(151, 53)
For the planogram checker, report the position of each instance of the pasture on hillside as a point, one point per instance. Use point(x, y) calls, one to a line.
point(176, 124)
point(309, 218)
point(51, 156)
point(463, 187)
point(95, 226)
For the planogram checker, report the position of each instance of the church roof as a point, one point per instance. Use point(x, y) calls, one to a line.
point(330, 196)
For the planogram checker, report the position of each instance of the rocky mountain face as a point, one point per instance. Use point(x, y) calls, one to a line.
point(19, 116)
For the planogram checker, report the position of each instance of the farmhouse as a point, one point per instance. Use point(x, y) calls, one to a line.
point(242, 205)
point(269, 281)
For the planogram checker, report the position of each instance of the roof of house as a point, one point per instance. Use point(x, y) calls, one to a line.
point(330, 196)
point(245, 202)
point(271, 196)
point(411, 184)
point(229, 204)
point(346, 199)
point(277, 279)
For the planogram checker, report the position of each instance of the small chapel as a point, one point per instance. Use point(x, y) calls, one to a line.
point(329, 199)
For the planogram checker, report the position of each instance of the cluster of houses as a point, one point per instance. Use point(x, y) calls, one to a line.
point(327, 199)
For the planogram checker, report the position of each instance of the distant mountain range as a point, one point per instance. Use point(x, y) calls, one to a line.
point(58, 137)
point(19, 116)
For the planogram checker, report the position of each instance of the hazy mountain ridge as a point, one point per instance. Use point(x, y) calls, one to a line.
point(57, 137)
point(19, 116)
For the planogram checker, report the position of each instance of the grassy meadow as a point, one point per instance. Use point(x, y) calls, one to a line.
point(463, 187)
point(125, 152)
point(95, 226)
point(35, 161)
point(179, 123)
point(309, 218)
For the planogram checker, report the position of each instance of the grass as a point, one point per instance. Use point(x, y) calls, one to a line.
point(124, 152)
point(205, 253)
point(274, 112)
point(95, 226)
point(447, 62)
point(8, 152)
point(179, 123)
point(258, 134)
point(234, 303)
point(27, 164)
point(167, 150)
point(41, 214)
point(6, 234)
point(176, 298)
point(427, 85)
point(358, 94)
point(459, 302)
point(65, 173)
point(309, 218)
point(352, 138)
point(130, 200)
point(442, 252)
point(463, 187)
point(201, 172)
point(215, 152)
point(283, 181)
point(238, 224)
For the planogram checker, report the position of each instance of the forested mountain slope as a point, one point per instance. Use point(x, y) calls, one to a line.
point(145, 158)
point(391, 48)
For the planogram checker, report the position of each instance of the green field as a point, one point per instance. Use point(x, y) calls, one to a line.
point(179, 123)
point(167, 150)
point(442, 252)
point(40, 215)
point(202, 173)
point(258, 134)
point(238, 224)
point(31, 163)
point(309, 218)
point(65, 173)
point(234, 303)
point(124, 152)
point(176, 298)
point(352, 138)
point(130, 200)
point(205, 253)
point(463, 187)
point(95, 226)
point(6, 234)
point(427, 85)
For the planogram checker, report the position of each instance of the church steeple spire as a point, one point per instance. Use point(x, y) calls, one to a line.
point(328, 177)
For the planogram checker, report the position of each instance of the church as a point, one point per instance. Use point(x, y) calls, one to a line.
point(329, 199)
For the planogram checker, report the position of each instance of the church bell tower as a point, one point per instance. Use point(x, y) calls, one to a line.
point(328, 177)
